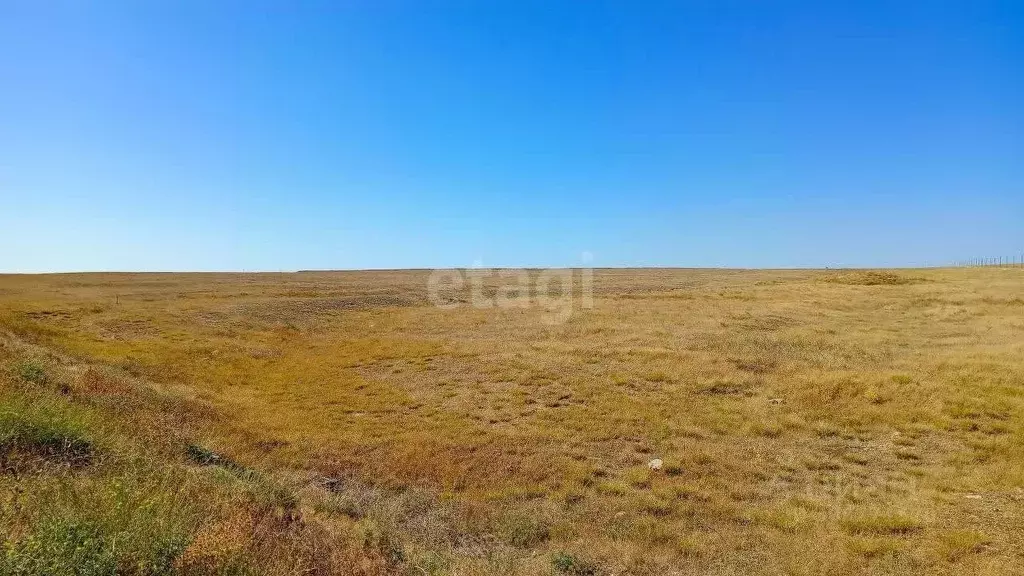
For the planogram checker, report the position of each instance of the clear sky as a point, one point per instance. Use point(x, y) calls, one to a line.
point(197, 135)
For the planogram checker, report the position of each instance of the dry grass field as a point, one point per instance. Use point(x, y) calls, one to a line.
point(809, 422)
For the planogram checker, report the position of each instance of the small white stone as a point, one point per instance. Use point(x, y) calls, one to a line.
point(973, 496)
point(655, 464)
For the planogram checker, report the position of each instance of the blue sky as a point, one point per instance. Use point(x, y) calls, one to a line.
point(262, 136)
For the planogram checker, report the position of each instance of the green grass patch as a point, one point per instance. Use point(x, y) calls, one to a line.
point(33, 434)
point(573, 565)
point(32, 372)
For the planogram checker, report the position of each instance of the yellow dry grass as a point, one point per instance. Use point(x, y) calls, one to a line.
point(810, 422)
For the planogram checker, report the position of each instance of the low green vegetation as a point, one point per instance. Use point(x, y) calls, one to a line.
point(35, 435)
point(88, 493)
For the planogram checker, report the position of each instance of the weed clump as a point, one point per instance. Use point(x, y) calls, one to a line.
point(32, 372)
point(572, 565)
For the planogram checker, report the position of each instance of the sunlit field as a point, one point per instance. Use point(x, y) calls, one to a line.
point(689, 421)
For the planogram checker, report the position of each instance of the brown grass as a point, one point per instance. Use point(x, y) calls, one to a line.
point(809, 421)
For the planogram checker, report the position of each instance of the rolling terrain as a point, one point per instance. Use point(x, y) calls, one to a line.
point(806, 422)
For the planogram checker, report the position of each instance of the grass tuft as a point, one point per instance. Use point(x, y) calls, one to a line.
point(523, 530)
point(882, 524)
point(956, 544)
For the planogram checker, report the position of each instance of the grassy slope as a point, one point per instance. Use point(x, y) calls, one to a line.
point(101, 475)
point(811, 422)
